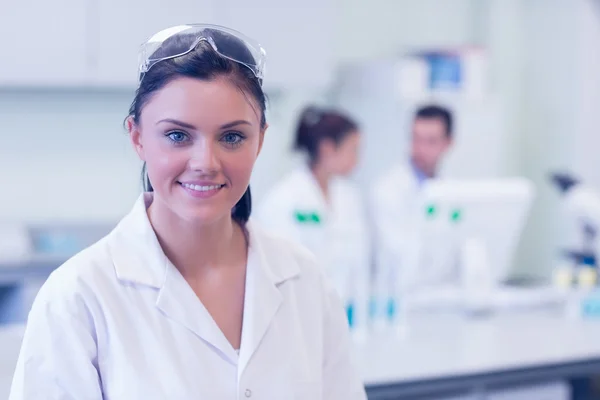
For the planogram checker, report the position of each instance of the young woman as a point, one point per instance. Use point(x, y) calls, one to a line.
point(185, 298)
point(318, 207)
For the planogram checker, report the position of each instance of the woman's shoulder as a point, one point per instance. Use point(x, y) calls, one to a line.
point(293, 265)
point(282, 252)
point(273, 243)
point(87, 263)
point(76, 279)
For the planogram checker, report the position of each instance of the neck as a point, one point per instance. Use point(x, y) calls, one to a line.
point(427, 173)
point(322, 176)
point(195, 248)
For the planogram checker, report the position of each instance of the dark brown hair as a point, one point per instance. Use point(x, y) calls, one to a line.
point(205, 64)
point(318, 124)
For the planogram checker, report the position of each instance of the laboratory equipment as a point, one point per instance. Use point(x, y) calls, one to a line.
point(577, 272)
point(464, 240)
point(491, 210)
point(469, 230)
point(582, 209)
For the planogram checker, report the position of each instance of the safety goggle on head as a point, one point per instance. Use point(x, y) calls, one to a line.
point(182, 39)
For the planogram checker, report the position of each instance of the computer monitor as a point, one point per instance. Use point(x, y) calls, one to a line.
point(492, 211)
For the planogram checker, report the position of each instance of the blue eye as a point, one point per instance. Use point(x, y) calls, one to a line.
point(177, 136)
point(233, 139)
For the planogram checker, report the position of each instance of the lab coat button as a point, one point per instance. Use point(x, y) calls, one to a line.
point(248, 393)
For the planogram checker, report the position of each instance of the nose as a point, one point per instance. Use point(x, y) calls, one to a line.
point(204, 157)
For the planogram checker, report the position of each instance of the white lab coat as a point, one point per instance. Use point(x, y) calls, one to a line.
point(403, 255)
point(340, 241)
point(119, 322)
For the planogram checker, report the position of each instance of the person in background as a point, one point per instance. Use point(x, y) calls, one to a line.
point(317, 205)
point(186, 298)
point(394, 196)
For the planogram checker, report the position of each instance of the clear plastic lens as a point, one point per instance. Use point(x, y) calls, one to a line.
point(226, 42)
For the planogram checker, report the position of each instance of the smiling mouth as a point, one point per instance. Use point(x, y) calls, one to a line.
point(202, 188)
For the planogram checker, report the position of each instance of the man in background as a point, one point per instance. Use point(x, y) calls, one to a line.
point(394, 198)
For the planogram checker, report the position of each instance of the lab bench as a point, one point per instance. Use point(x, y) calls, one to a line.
point(35, 267)
point(508, 356)
point(51, 245)
point(516, 356)
point(19, 283)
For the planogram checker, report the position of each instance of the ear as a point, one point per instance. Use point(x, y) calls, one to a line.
point(261, 138)
point(135, 137)
point(327, 147)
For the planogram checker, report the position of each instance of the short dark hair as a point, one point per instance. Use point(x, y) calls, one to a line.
point(205, 64)
point(432, 111)
point(317, 124)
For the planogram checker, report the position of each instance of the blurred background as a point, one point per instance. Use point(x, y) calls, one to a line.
point(526, 103)
point(68, 74)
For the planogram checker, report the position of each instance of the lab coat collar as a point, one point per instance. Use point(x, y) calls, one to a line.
point(138, 258)
point(419, 175)
point(261, 302)
point(313, 190)
point(135, 250)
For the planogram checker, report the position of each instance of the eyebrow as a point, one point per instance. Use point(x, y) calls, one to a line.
point(177, 122)
point(235, 123)
point(192, 127)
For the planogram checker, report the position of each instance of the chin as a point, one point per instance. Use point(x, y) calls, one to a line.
point(203, 215)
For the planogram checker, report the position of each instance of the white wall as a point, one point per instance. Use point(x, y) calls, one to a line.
point(379, 28)
point(502, 36)
point(587, 59)
point(65, 156)
point(559, 100)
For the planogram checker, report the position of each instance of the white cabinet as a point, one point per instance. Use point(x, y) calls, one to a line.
point(43, 42)
point(297, 35)
point(82, 43)
point(123, 25)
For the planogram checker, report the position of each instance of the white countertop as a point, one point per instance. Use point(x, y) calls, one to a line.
point(36, 266)
point(438, 347)
point(453, 346)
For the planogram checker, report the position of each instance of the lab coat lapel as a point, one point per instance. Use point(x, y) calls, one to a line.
point(179, 303)
point(138, 258)
point(263, 297)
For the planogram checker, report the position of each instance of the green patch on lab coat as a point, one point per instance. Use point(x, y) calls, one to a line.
point(310, 217)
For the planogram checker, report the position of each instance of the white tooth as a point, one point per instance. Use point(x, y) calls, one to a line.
point(201, 188)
